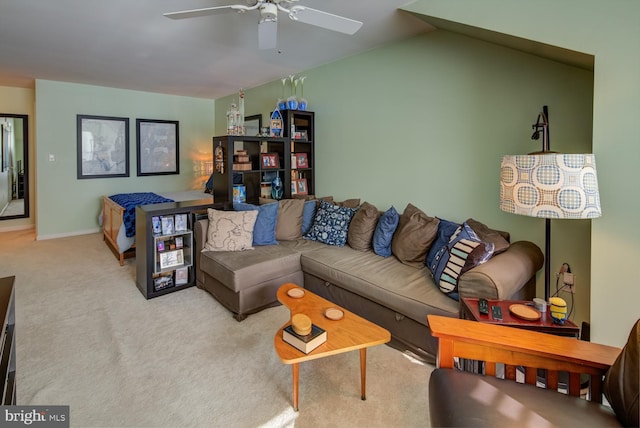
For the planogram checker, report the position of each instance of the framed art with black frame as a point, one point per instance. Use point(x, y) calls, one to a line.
point(103, 146)
point(158, 147)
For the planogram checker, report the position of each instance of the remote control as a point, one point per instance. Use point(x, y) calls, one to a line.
point(483, 306)
point(496, 312)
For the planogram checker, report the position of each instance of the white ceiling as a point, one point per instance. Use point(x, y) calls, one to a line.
point(129, 44)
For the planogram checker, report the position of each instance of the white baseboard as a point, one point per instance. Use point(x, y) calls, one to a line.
point(65, 235)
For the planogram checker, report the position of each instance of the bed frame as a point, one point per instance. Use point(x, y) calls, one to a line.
point(112, 219)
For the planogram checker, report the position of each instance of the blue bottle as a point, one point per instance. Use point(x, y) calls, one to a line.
point(277, 190)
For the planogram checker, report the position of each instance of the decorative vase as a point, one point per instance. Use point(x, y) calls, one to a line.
point(302, 104)
point(292, 103)
point(277, 190)
point(282, 104)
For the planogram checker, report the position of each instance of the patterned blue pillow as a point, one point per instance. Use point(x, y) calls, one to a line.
point(446, 229)
point(331, 224)
point(308, 214)
point(264, 231)
point(464, 251)
point(383, 235)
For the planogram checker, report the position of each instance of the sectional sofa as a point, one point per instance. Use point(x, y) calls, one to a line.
point(352, 255)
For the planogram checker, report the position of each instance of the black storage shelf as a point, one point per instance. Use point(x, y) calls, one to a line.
point(256, 178)
point(147, 253)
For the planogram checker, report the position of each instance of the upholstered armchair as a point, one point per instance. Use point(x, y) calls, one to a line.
point(459, 398)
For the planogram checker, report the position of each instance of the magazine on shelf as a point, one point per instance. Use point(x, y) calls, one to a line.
point(182, 276)
point(157, 227)
point(160, 282)
point(167, 225)
point(306, 343)
point(181, 222)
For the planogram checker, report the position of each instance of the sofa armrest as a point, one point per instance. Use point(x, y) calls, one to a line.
point(517, 347)
point(504, 275)
point(200, 231)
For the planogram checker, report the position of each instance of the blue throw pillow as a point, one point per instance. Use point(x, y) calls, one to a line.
point(446, 229)
point(308, 214)
point(464, 251)
point(331, 224)
point(264, 231)
point(383, 235)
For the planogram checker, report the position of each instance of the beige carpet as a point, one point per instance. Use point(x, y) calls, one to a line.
point(86, 337)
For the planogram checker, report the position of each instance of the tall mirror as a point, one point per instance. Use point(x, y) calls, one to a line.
point(14, 172)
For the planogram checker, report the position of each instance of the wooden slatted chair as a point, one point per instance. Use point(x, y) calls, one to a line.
point(458, 398)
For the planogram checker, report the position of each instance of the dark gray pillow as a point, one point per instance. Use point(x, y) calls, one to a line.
point(497, 238)
point(414, 236)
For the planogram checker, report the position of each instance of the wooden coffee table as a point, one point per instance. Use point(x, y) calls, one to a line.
point(347, 334)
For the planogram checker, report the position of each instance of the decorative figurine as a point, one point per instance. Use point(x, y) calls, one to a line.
point(558, 310)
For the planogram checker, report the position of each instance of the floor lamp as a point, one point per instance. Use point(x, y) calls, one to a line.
point(551, 186)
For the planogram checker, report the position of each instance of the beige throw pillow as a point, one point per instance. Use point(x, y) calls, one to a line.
point(230, 230)
point(415, 233)
point(289, 224)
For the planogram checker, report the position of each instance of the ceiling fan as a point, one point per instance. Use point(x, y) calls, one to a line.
point(268, 28)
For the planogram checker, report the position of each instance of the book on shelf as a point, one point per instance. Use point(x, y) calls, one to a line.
point(239, 193)
point(306, 343)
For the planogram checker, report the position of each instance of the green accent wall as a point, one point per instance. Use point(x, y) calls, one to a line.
point(427, 120)
point(68, 206)
point(608, 30)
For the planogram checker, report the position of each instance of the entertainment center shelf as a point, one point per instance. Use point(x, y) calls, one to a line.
point(290, 157)
point(165, 259)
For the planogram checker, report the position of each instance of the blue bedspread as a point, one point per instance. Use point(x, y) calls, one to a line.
point(129, 201)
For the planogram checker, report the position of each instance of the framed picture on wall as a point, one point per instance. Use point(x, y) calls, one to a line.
point(157, 147)
point(103, 146)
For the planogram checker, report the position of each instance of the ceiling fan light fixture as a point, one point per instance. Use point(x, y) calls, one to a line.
point(268, 33)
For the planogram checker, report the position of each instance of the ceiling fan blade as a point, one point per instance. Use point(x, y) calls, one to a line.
point(206, 11)
point(324, 19)
point(268, 34)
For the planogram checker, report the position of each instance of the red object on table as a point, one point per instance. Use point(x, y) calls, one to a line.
point(469, 310)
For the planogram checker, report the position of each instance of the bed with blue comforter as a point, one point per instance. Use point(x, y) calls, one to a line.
point(118, 216)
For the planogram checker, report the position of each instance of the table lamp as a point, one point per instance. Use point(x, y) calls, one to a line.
point(551, 186)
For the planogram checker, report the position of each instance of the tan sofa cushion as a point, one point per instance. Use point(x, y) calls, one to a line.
point(289, 224)
point(362, 226)
point(239, 271)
